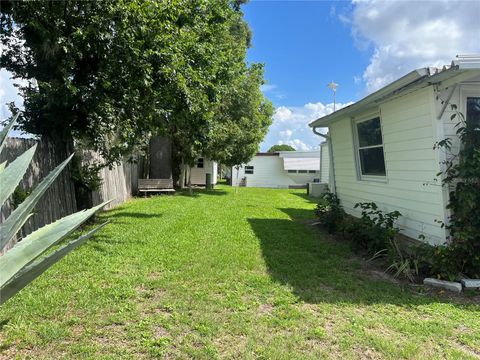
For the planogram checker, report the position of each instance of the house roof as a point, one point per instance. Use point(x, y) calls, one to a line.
point(414, 80)
point(300, 160)
point(266, 154)
point(307, 163)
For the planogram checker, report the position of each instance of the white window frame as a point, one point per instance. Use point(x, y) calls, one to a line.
point(202, 162)
point(357, 148)
point(251, 168)
point(467, 91)
point(291, 171)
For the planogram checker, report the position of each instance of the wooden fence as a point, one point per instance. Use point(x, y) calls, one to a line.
point(119, 183)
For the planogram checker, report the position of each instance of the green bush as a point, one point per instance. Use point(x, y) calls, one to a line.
point(330, 213)
point(374, 231)
point(461, 176)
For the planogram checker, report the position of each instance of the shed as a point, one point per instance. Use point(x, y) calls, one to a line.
point(283, 169)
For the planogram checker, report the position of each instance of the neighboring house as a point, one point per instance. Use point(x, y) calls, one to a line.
point(381, 148)
point(283, 169)
point(203, 167)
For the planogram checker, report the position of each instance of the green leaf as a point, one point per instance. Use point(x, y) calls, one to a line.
point(34, 244)
point(2, 166)
point(5, 130)
point(11, 176)
point(39, 266)
point(18, 217)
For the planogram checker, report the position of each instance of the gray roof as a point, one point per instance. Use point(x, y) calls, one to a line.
point(414, 80)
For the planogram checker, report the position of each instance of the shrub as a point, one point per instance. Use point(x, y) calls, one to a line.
point(375, 230)
point(329, 212)
point(26, 260)
point(461, 175)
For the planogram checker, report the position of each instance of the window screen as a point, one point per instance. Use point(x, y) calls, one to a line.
point(370, 148)
point(473, 119)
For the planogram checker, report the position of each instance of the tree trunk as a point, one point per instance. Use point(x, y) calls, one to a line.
point(181, 180)
point(190, 190)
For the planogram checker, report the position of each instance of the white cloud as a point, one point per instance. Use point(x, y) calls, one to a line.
point(297, 144)
point(407, 35)
point(268, 87)
point(8, 93)
point(287, 134)
point(290, 125)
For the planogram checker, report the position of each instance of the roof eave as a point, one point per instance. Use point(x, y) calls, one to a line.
point(411, 77)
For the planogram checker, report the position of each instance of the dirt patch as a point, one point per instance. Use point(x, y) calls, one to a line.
point(264, 309)
point(160, 332)
point(468, 350)
point(367, 353)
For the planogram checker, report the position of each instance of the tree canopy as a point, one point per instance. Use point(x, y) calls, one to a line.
point(109, 74)
point(281, 147)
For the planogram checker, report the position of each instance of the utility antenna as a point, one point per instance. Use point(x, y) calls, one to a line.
point(333, 87)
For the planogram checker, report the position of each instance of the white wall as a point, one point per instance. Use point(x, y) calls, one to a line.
point(409, 131)
point(324, 164)
point(199, 174)
point(269, 172)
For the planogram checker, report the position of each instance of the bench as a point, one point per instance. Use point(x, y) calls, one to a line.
point(155, 185)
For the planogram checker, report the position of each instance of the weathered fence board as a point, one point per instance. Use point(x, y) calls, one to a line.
point(58, 200)
point(118, 183)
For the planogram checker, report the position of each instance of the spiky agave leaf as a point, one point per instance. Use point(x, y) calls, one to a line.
point(11, 176)
point(24, 262)
point(5, 130)
point(20, 215)
point(36, 243)
point(39, 266)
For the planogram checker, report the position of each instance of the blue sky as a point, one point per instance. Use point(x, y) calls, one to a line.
point(304, 46)
point(361, 44)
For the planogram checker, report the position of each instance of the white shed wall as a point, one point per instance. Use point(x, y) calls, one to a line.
point(269, 172)
point(199, 174)
point(409, 131)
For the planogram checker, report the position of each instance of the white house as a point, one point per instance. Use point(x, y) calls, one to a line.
point(283, 169)
point(203, 166)
point(381, 148)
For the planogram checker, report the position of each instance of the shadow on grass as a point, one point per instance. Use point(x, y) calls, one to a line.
point(307, 198)
point(324, 271)
point(199, 192)
point(137, 215)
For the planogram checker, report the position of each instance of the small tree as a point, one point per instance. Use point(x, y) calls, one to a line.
point(281, 147)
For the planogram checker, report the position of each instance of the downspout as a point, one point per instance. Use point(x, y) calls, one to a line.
point(331, 174)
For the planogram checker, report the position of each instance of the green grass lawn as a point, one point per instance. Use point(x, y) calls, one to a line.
point(225, 275)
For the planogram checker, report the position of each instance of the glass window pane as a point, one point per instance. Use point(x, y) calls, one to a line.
point(369, 132)
point(372, 161)
point(473, 112)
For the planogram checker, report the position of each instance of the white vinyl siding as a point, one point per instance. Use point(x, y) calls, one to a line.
point(324, 164)
point(269, 172)
point(409, 132)
point(198, 176)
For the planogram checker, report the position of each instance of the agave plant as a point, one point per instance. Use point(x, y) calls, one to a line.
point(26, 260)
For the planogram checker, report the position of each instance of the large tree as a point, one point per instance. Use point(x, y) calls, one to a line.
point(242, 120)
point(108, 74)
point(88, 70)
